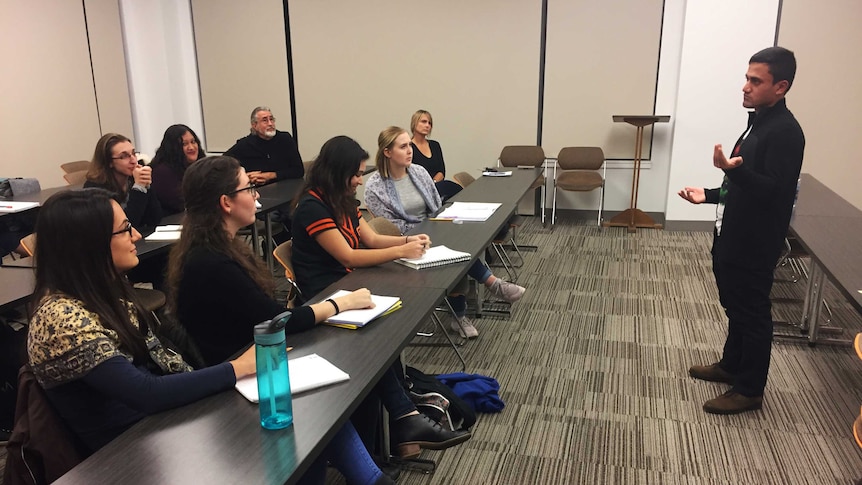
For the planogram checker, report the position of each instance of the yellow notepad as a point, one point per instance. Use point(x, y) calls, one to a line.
point(354, 319)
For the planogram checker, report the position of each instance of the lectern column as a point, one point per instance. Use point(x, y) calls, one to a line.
point(633, 218)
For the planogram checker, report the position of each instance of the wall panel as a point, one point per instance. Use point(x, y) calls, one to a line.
point(242, 63)
point(48, 103)
point(825, 97)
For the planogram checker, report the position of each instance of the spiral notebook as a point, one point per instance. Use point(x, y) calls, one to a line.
point(436, 256)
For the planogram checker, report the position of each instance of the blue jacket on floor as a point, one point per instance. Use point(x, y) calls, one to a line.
point(480, 392)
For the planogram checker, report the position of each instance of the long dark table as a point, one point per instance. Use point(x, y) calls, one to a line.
point(829, 229)
point(274, 196)
point(219, 439)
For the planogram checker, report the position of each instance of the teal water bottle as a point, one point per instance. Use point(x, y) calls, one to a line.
point(273, 379)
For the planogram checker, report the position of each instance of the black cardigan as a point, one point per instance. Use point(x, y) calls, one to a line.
point(760, 192)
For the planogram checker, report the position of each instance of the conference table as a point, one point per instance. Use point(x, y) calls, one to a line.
point(829, 229)
point(219, 439)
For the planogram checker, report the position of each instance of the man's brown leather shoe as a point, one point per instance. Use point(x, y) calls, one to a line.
point(712, 373)
point(732, 403)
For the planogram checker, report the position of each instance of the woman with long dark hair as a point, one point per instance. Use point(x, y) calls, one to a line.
point(404, 193)
point(93, 348)
point(115, 168)
point(91, 345)
point(327, 231)
point(180, 148)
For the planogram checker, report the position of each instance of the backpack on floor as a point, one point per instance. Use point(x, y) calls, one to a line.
point(460, 414)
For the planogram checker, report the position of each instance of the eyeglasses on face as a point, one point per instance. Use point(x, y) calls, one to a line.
point(126, 156)
point(268, 119)
point(127, 228)
point(252, 189)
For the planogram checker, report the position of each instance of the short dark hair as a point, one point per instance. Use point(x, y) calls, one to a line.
point(781, 62)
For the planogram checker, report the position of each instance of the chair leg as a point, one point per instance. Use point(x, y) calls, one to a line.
point(554, 205)
point(507, 263)
point(601, 203)
point(451, 343)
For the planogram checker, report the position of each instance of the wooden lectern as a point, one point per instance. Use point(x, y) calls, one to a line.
point(634, 217)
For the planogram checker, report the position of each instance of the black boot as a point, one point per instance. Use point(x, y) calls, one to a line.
point(417, 431)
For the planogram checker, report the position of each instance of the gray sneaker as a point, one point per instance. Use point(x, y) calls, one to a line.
point(464, 327)
point(504, 290)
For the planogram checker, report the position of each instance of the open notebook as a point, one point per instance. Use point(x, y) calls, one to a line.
point(354, 319)
point(306, 373)
point(436, 256)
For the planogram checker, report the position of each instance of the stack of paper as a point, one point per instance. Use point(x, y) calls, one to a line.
point(469, 211)
point(11, 206)
point(306, 373)
point(166, 233)
point(497, 173)
point(354, 319)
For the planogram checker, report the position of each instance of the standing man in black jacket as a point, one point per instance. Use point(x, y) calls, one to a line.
point(269, 155)
point(755, 202)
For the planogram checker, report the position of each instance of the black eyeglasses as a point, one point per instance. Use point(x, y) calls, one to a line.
point(252, 188)
point(128, 228)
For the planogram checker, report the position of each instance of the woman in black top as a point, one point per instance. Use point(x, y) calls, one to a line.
point(180, 148)
point(428, 154)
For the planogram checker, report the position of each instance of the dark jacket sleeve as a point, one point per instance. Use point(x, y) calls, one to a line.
point(293, 167)
point(143, 210)
point(167, 186)
point(148, 393)
point(711, 195)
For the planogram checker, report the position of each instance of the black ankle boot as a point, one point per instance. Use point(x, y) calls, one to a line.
point(411, 433)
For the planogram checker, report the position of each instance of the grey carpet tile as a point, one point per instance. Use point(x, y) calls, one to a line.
point(593, 367)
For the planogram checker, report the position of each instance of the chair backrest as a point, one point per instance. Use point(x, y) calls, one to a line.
point(28, 242)
point(514, 155)
point(463, 179)
point(384, 226)
point(283, 254)
point(76, 178)
point(70, 167)
point(581, 158)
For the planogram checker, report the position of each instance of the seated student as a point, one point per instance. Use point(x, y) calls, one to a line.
point(428, 154)
point(327, 230)
point(180, 148)
point(93, 349)
point(404, 194)
point(115, 168)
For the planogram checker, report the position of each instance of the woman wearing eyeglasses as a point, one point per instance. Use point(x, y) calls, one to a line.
point(210, 264)
point(327, 231)
point(180, 148)
point(90, 343)
point(94, 349)
point(115, 168)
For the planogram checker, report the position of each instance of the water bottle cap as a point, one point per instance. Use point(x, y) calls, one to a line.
point(274, 326)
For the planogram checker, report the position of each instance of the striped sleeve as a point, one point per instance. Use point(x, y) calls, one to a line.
point(320, 225)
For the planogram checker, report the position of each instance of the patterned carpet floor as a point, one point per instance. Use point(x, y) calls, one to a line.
point(593, 367)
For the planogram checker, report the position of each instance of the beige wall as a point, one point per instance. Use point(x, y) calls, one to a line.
point(242, 63)
point(585, 85)
point(370, 66)
point(48, 101)
point(825, 95)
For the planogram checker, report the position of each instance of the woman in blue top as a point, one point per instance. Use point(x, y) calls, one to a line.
point(94, 349)
point(405, 194)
